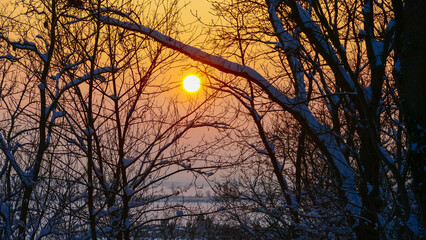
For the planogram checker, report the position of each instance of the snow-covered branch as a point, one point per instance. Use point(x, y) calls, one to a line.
point(301, 112)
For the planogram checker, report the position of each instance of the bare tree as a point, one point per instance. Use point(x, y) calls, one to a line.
point(90, 129)
point(332, 72)
point(335, 139)
point(32, 108)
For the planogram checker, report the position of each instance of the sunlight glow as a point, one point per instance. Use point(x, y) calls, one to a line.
point(191, 83)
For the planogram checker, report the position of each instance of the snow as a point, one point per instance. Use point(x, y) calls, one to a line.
point(57, 114)
point(113, 97)
point(9, 156)
point(368, 93)
point(324, 45)
point(45, 231)
point(378, 47)
point(26, 45)
point(369, 188)
point(127, 161)
point(397, 65)
point(96, 73)
point(280, 166)
point(278, 45)
point(185, 166)
point(313, 214)
point(261, 151)
point(386, 155)
point(88, 131)
point(10, 57)
point(128, 191)
point(381, 220)
point(4, 210)
point(286, 40)
point(367, 8)
point(390, 25)
point(42, 86)
point(47, 142)
point(414, 224)
point(216, 124)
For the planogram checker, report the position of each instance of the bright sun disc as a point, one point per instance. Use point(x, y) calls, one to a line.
point(191, 83)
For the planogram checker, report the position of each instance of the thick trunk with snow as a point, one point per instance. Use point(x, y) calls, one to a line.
point(413, 89)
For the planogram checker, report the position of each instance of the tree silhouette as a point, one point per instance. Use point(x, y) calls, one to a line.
point(334, 62)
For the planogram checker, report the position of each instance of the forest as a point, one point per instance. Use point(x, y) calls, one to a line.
point(310, 121)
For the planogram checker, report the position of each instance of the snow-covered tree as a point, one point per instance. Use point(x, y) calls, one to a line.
point(333, 146)
point(90, 126)
point(410, 50)
point(329, 65)
point(31, 109)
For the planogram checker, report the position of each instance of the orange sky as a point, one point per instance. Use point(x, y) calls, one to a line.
point(202, 7)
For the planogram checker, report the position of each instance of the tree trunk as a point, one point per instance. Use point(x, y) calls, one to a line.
point(369, 189)
point(413, 89)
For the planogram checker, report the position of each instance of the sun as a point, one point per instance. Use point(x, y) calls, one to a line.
point(191, 83)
